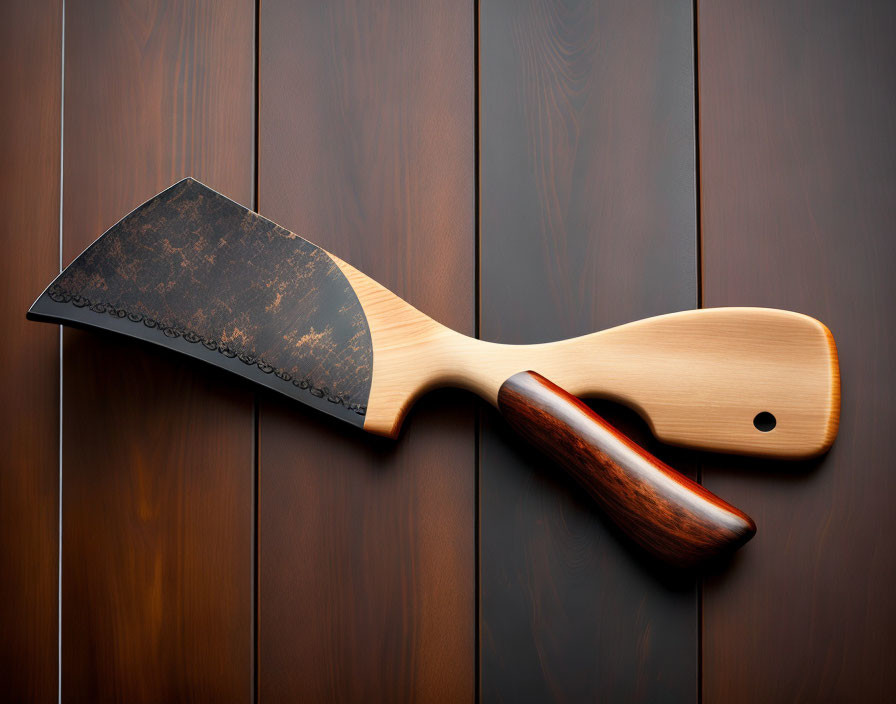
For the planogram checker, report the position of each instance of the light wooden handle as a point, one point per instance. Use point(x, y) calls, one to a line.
point(745, 380)
point(672, 517)
point(707, 379)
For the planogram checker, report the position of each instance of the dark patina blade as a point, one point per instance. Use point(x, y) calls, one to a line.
point(195, 272)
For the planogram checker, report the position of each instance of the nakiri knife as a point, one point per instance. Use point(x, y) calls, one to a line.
point(195, 272)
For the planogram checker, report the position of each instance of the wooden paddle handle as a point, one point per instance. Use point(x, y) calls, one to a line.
point(671, 516)
point(748, 380)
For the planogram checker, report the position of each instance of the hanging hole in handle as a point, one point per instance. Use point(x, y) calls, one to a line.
point(764, 422)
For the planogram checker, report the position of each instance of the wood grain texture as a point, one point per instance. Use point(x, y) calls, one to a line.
point(670, 516)
point(366, 548)
point(157, 452)
point(588, 179)
point(798, 166)
point(699, 378)
point(29, 357)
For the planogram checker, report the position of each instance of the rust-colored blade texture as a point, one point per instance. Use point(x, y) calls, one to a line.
point(197, 273)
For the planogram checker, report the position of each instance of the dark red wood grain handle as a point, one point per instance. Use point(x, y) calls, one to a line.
point(671, 516)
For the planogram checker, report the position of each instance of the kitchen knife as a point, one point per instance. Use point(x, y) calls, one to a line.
point(195, 272)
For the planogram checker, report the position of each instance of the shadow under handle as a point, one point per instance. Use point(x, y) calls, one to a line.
point(674, 518)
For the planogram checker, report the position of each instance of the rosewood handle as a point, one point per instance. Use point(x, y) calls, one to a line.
point(671, 516)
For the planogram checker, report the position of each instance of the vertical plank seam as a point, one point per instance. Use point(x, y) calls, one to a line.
point(256, 450)
point(699, 251)
point(59, 486)
point(699, 193)
point(477, 294)
point(253, 611)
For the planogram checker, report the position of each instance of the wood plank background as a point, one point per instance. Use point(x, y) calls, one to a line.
point(799, 211)
point(157, 463)
point(367, 551)
point(588, 192)
point(30, 124)
point(519, 170)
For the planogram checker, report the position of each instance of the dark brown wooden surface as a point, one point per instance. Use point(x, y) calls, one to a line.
point(367, 552)
point(797, 109)
point(588, 217)
point(436, 569)
point(29, 356)
point(157, 451)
